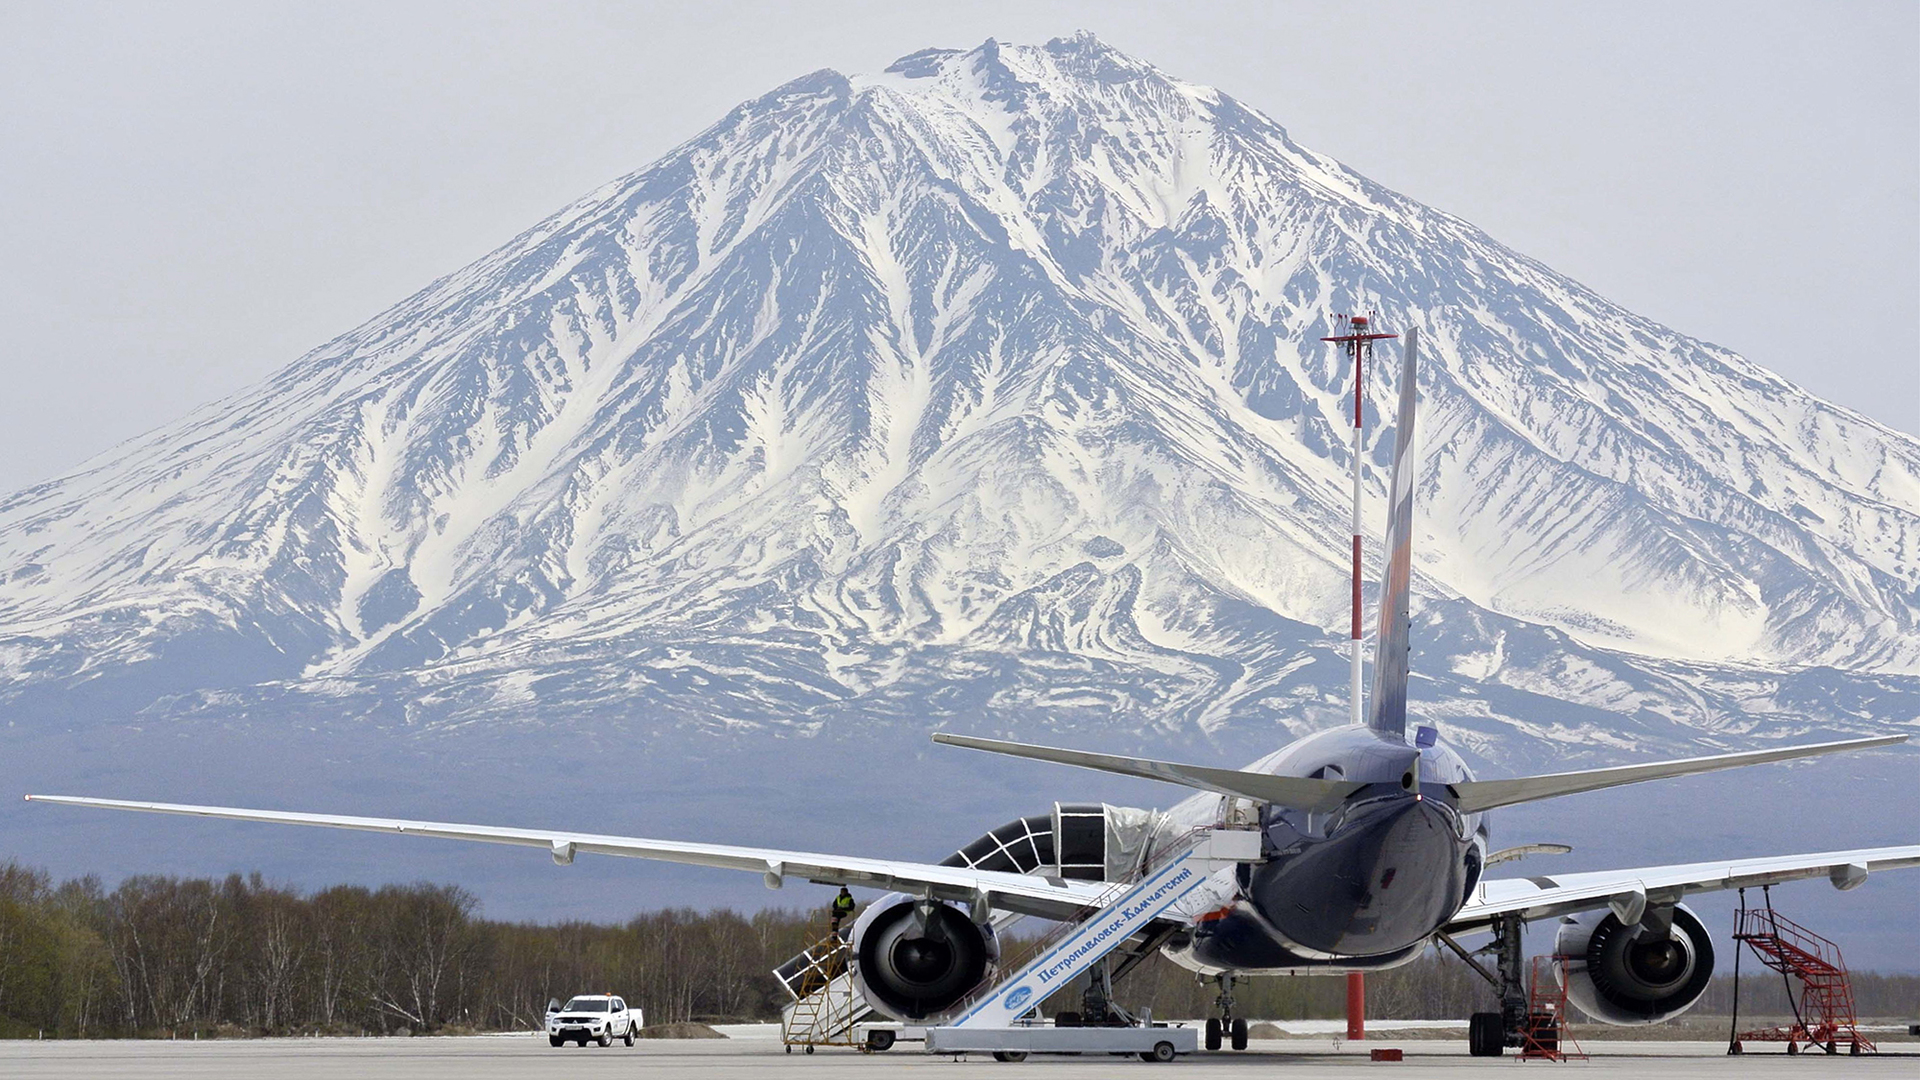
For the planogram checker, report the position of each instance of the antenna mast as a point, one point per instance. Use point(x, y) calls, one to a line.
point(1356, 341)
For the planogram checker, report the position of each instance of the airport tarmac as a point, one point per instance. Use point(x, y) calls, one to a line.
point(528, 1057)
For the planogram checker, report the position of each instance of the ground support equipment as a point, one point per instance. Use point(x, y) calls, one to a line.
point(1824, 1011)
point(826, 1006)
point(1545, 1036)
point(1004, 1020)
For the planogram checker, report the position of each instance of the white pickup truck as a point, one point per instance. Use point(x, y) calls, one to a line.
point(600, 1017)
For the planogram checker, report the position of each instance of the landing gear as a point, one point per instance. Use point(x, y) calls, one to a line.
point(1226, 1027)
point(1097, 1007)
point(1489, 1033)
point(1485, 1038)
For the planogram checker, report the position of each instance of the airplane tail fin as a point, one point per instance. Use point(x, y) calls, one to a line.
point(1388, 708)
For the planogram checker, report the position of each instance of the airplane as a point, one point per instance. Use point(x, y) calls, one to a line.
point(1373, 846)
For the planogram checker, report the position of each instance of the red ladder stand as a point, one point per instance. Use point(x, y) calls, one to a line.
point(1825, 1017)
point(1545, 1037)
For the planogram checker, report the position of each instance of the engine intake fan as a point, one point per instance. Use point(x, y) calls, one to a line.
point(1629, 975)
point(916, 960)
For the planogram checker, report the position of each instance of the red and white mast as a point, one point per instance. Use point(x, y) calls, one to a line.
point(1356, 340)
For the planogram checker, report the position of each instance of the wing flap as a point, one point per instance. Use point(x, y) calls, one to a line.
point(1296, 792)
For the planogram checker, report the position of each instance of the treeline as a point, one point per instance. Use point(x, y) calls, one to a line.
point(172, 956)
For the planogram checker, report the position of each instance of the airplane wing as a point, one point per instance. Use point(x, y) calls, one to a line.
point(1048, 898)
point(1550, 896)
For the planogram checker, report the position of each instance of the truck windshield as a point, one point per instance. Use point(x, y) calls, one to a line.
point(586, 1005)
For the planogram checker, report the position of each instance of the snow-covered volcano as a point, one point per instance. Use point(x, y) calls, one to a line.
point(983, 391)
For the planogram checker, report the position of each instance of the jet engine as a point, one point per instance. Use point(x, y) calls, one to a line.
point(916, 959)
point(1639, 974)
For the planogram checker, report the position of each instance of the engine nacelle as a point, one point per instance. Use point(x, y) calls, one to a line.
point(1629, 975)
point(916, 960)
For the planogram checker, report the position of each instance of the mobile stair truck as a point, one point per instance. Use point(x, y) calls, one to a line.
point(1004, 1021)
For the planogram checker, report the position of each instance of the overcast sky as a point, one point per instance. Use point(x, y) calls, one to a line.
point(192, 195)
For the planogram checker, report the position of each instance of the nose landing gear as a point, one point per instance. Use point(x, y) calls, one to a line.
point(1226, 1027)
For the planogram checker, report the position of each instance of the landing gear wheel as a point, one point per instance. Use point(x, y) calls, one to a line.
point(1213, 1033)
point(1239, 1034)
point(628, 1037)
point(606, 1038)
point(555, 1040)
point(1486, 1035)
point(880, 1040)
point(1009, 1055)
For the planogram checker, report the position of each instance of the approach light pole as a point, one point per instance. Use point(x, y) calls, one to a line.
point(1356, 341)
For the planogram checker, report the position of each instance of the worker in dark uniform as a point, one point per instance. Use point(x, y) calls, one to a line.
point(842, 908)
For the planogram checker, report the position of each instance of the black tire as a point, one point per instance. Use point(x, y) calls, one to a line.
point(1239, 1034)
point(1486, 1035)
point(606, 1038)
point(1010, 1055)
point(1162, 1052)
point(1213, 1033)
point(880, 1040)
point(629, 1036)
point(555, 1040)
point(809, 1048)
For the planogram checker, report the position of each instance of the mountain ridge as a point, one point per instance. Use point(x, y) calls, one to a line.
point(867, 368)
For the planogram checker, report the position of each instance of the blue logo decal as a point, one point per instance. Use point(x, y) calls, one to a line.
point(1019, 997)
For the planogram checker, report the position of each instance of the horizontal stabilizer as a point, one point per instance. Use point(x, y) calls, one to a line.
point(1478, 795)
point(1292, 791)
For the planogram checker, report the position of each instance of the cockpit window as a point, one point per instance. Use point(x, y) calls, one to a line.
point(587, 1005)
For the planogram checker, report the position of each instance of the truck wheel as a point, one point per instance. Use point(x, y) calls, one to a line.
point(1162, 1052)
point(606, 1038)
point(555, 1040)
point(1009, 1055)
point(1213, 1033)
point(628, 1037)
point(880, 1040)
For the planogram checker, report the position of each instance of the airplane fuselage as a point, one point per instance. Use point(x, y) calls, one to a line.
point(1364, 886)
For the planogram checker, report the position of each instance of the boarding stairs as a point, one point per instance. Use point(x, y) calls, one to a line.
point(826, 1006)
point(1125, 912)
point(1824, 1015)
